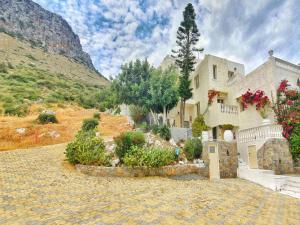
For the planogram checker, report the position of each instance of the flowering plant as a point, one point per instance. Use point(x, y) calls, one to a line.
point(211, 95)
point(259, 99)
point(287, 110)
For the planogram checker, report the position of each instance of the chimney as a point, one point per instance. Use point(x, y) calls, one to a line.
point(271, 52)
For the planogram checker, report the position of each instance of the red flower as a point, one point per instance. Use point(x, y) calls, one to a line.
point(289, 102)
point(282, 86)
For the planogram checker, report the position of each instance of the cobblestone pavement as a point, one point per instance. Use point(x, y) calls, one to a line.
point(38, 187)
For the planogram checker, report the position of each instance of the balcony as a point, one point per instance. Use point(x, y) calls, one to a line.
point(261, 133)
point(219, 114)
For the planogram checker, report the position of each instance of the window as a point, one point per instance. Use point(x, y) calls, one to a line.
point(215, 71)
point(198, 108)
point(230, 74)
point(196, 79)
point(220, 100)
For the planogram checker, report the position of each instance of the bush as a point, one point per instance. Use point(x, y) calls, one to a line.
point(87, 149)
point(97, 115)
point(143, 126)
point(155, 128)
point(126, 140)
point(198, 126)
point(16, 110)
point(294, 141)
point(152, 157)
point(3, 68)
point(138, 114)
point(164, 132)
point(45, 118)
point(193, 149)
point(89, 124)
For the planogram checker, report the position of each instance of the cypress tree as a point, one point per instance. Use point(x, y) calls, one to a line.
point(187, 37)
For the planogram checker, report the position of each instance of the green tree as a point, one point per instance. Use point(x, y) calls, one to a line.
point(198, 126)
point(133, 83)
point(187, 37)
point(164, 91)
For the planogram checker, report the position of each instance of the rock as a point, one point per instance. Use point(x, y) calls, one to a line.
point(48, 111)
point(43, 29)
point(54, 134)
point(157, 143)
point(97, 134)
point(110, 147)
point(21, 131)
point(172, 142)
point(181, 162)
point(115, 162)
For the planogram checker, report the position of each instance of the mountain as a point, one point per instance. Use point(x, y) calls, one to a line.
point(49, 31)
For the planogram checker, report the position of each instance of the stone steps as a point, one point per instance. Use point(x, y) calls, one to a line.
point(291, 187)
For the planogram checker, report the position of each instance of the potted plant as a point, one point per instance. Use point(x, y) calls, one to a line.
point(228, 135)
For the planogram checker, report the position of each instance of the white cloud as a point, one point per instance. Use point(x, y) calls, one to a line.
point(239, 30)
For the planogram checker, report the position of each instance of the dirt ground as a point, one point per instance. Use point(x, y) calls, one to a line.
point(70, 119)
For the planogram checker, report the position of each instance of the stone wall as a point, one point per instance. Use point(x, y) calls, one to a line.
point(227, 157)
point(275, 155)
point(142, 171)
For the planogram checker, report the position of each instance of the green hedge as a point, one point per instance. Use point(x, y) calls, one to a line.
point(89, 124)
point(193, 149)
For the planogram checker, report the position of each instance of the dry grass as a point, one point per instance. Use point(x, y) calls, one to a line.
point(70, 120)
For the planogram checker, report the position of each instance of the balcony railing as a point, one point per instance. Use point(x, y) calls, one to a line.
point(230, 109)
point(260, 133)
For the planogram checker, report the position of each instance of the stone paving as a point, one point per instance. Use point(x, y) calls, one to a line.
point(38, 187)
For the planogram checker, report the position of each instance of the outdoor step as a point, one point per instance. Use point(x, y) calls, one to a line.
point(290, 193)
point(292, 189)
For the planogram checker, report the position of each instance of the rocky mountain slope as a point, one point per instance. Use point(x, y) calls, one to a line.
point(29, 21)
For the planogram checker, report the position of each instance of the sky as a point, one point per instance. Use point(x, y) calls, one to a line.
point(114, 32)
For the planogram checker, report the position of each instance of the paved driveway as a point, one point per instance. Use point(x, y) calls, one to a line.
point(38, 187)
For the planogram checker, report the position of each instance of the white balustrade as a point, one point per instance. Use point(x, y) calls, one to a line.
point(229, 109)
point(260, 133)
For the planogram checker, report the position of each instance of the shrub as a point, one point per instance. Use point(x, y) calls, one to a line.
point(16, 110)
point(294, 141)
point(126, 140)
point(87, 149)
point(137, 113)
point(10, 66)
point(155, 129)
point(198, 126)
point(97, 115)
point(164, 132)
point(227, 127)
point(193, 149)
point(143, 126)
point(89, 124)
point(3, 68)
point(152, 157)
point(45, 118)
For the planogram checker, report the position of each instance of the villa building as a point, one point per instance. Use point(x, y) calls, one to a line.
point(228, 79)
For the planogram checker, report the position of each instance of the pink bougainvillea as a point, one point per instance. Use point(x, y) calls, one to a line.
point(258, 98)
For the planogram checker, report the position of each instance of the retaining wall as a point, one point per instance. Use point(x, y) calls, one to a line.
point(142, 171)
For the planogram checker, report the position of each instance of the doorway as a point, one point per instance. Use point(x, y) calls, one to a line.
point(252, 157)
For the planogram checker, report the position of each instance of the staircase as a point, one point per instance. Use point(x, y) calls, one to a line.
point(288, 185)
point(291, 186)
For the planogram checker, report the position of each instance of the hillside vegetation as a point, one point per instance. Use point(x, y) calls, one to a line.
point(21, 86)
point(17, 52)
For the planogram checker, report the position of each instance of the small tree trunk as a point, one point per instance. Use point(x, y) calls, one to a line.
point(154, 117)
point(164, 114)
point(181, 113)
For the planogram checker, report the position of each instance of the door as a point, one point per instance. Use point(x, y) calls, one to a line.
point(214, 168)
point(252, 156)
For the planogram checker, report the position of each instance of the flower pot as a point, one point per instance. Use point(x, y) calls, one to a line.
point(266, 121)
point(204, 136)
point(228, 135)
